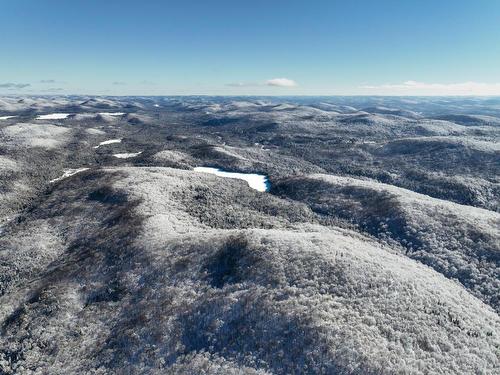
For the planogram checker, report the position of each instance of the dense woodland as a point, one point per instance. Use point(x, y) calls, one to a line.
point(376, 249)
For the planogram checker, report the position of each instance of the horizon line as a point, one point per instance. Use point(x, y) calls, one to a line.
point(255, 96)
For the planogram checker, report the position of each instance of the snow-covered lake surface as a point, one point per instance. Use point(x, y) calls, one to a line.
point(68, 173)
point(108, 142)
point(6, 117)
point(112, 113)
point(127, 155)
point(53, 116)
point(258, 182)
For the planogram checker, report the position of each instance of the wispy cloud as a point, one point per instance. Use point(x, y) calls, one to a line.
point(281, 82)
point(54, 89)
point(48, 81)
point(119, 83)
point(243, 84)
point(10, 85)
point(423, 88)
point(275, 82)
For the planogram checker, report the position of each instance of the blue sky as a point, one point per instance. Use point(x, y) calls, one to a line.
point(322, 47)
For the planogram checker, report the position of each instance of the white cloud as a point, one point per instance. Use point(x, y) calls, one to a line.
point(423, 88)
point(281, 82)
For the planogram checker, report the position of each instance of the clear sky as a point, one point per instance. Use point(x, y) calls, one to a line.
point(232, 47)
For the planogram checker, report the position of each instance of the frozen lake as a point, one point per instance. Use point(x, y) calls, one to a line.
point(258, 182)
point(127, 155)
point(53, 116)
point(108, 142)
point(68, 173)
point(112, 113)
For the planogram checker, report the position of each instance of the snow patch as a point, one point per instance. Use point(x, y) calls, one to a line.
point(258, 182)
point(7, 164)
point(94, 131)
point(6, 117)
point(227, 151)
point(169, 155)
point(36, 135)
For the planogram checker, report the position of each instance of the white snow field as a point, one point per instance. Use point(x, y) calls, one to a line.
point(94, 131)
point(108, 142)
point(6, 117)
point(258, 182)
point(53, 116)
point(68, 173)
point(7, 164)
point(127, 155)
